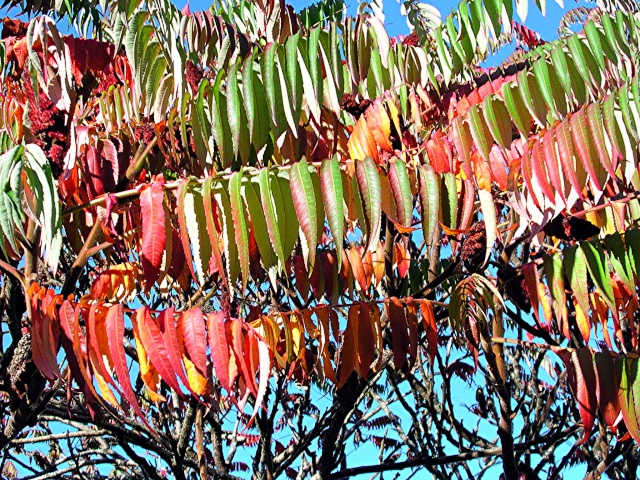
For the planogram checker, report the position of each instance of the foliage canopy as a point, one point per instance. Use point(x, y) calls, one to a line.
point(251, 219)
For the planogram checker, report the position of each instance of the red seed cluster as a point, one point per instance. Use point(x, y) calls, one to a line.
point(144, 133)
point(474, 245)
point(47, 125)
point(515, 287)
point(13, 28)
point(571, 228)
point(411, 39)
point(194, 75)
point(354, 104)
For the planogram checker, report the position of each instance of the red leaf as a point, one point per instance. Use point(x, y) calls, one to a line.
point(398, 323)
point(191, 329)
point(530, 274)
point(219, 348)
point(235, 332)
point(540, 173)
point(365, 340)
point(439, 152)
point(565, 153)
point(151, 338)
point(264, 357)
point(153, 229)
point(302, 277)
point(551, 161)
point(96, 332)
point(430, 328)
point(177, 259)
point(412, 322)
point(115, 332)
point(583, 382)
point(170, 336)
point(323, 322)
point(44, 337)
point(75, 346)
point(607, 387)
point(355, 260)
point(582, 141)
point(348, 353)
point(329, 272)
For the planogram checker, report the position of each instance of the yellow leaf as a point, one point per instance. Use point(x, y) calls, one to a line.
point(197, 381)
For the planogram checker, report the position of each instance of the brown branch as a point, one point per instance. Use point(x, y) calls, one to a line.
point(505, 426)
point(78, 265)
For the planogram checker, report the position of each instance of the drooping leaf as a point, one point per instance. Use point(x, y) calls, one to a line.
point(368, 183)
point(115, 331)
point(154, 345)
point(606, 391)
point(401, 191)
point(219, 348)
point(304, 201)
point(583, 381)
point(333, 199)
point(191, 329)
point(153, 229)
point(240, 226)
point(398, 322)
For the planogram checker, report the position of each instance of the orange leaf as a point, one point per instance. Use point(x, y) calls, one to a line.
point(430, 328)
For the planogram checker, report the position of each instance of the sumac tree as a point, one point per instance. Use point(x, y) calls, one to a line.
point(250, 241)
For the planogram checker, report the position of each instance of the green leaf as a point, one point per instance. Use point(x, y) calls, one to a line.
point(599, 271)
point(548, 83)
point(240, 225)
point(286, 211)
point(221, 127)
point(238, 122)
point(629, 380)
point(304, 201)
point(50, 216)
point(271, 84)
point(258, 222)
point(531, 97)
point(494, 11)
point(333, 200)
point(367, 180)
point(449, 201)
point(555, 280)
point(575, 267)
point(584, 61)
point(516, 107)
point(7, 161)
point(593, 36)
point(221, 190)
point(271, 214)
point(619, 259)
point(498, 120)
point(479, 131)
point(429, 203)
point(401, 191)
point(293, 74)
